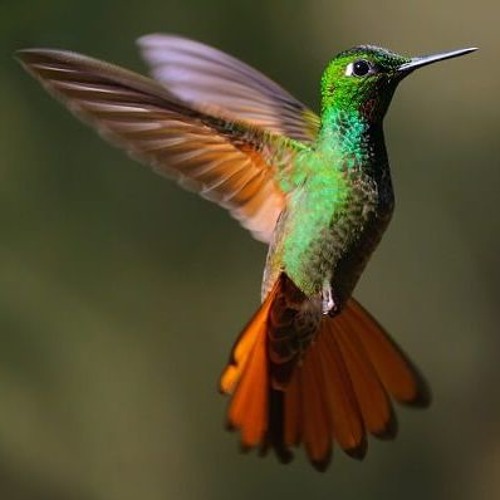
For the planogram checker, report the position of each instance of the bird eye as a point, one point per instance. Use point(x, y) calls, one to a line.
point(358, 68)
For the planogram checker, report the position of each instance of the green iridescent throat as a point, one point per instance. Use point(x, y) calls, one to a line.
point(326, 179)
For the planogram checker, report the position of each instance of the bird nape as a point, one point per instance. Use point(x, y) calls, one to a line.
point(312, 366)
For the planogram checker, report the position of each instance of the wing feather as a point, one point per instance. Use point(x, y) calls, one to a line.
point(209, 78)
point(228, 162)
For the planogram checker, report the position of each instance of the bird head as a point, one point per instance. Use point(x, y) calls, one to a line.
point(363, 79)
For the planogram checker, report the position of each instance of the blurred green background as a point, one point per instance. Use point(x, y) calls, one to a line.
point(121, 294)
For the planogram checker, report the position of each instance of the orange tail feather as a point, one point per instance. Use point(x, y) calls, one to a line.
point(397, 373)
point(339, 389)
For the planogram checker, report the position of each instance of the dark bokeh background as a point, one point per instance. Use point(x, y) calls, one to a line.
point(120, 294)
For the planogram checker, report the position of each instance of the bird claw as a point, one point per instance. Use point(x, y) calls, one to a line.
point(327, 300)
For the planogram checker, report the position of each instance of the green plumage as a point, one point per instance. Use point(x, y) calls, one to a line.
point(335, 201)
point(339, 191)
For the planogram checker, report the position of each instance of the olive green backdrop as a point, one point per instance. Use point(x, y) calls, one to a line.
point(120, 294)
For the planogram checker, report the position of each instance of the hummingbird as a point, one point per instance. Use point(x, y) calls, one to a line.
point(312, 367)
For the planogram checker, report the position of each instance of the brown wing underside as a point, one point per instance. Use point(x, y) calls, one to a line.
point(225, 161)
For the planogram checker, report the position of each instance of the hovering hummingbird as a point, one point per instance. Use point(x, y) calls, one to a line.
point(312, 366)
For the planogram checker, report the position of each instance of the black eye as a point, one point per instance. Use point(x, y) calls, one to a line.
point(361, 67)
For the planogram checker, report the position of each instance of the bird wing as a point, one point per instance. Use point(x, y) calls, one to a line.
point(207, 78)
point(228, 162)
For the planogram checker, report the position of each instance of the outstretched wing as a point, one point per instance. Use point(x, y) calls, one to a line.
point(225, 161)
point(208, 78)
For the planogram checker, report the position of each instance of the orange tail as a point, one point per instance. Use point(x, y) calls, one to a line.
point(339, 390)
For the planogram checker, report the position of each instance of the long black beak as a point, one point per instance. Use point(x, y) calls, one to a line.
point(418, 62)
